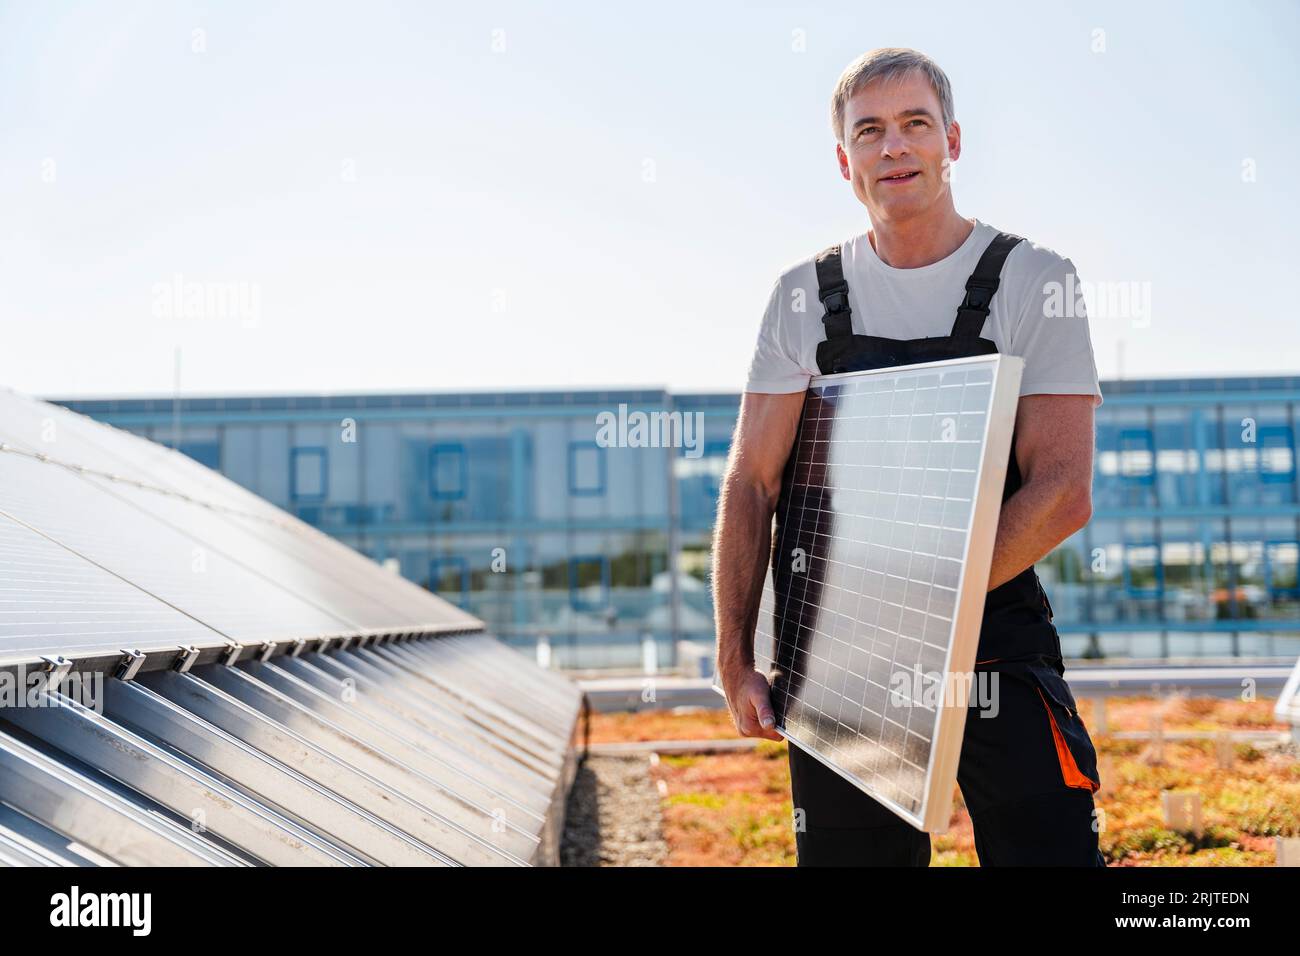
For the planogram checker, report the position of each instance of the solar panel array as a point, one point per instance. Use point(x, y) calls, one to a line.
point(247, 689)
point(873, 600)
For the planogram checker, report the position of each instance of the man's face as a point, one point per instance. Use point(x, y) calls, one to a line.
point(893, 127)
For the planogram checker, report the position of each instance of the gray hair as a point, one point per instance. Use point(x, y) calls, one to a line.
point(888, 63)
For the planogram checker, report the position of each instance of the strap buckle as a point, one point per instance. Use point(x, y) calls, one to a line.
point(979, 293)
point(837, 302)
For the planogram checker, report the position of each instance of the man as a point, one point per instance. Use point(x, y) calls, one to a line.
point(1028, 774)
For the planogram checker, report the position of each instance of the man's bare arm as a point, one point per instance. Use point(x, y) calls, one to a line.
point(1054, 444)
point(760, 447)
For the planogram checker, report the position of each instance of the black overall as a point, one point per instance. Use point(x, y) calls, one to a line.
point(1028, 774)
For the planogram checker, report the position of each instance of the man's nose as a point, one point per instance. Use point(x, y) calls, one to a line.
point(893, 145)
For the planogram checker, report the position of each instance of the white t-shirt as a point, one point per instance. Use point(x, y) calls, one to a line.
point(1044, 324)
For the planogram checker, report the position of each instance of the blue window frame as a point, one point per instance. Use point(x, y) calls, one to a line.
point(453, 568)
point(586, 469)
point(308, 476)
point(1273, 549)
point(1276, 436)
point(448, 471)
point(582, 568)
point(1157, 566)
point(1137, 440)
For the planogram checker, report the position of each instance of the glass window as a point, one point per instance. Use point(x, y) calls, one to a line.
point(640, 589)
point(272, 452)
point(343, 477)
point(1225, 556)
point(698, 483)
point(1064, 576)
point(1247, 557)
point(1263, 556)
point(1184, 557)
point(307, 474)
point(449, 578)
point(1126, 579)
point(448, 471)
point(550, 481)
point(1104, 561)
point(589, 582)
point(475, 477)
point(1208, 433)
point(622, 475)
point(1275, 464)
point(1241, 454)
point(1276, 454)
point(586, 468)
point(1281, 559)
point(381, 481)
point(1178, 459)
point(1137, 455)
point(239, 455)
point(1125, 459)
point(522, 474)
point(1142, 572)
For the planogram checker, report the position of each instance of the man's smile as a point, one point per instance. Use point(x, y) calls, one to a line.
point(901, 176)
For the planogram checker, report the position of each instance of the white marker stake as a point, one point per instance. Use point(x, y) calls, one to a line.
point(1182, 810)
point(1288, 850)
point(1225, 750)
point(649, 655)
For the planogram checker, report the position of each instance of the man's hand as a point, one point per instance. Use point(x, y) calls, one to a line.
point(749, 698)
point(742, 548)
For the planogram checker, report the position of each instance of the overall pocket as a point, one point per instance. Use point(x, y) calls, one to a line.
point(1074, 749)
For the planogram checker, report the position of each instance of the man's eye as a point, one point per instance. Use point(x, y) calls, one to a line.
point(921, 121)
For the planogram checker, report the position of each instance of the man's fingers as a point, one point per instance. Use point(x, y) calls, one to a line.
point(760, 700)
point(748, 725)
point(751, 710)
point(752, 728)
point(762, 723)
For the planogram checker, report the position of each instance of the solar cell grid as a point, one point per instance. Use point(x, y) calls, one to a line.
point(172, 566)
point(54, 601)
point(865, 597)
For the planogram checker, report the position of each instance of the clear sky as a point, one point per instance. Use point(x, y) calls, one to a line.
point(445, 196)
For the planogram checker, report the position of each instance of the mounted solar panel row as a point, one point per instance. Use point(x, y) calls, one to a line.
point(392, 755)
point(224, 558)
point(218, 683)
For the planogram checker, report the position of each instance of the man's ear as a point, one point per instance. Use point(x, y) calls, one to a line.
point(843, 158)
point(954, 141)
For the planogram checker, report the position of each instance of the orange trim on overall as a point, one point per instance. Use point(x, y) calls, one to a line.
point(1074, 777)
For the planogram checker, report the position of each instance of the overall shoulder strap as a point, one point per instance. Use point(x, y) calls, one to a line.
point(981, 286)
point(834, 293)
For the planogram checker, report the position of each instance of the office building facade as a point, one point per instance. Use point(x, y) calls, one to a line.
point(582, 519)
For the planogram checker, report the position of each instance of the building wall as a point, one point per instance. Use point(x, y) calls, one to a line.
point(516, 507)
